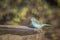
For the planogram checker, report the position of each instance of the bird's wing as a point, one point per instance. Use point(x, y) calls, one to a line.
point(36, 21)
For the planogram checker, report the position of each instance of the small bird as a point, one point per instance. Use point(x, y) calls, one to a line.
point(36, 24)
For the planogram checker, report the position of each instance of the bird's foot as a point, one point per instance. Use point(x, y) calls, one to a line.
point(41, 31)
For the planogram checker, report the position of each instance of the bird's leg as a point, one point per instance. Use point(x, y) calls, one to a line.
point(36, 29)
point(40, 30)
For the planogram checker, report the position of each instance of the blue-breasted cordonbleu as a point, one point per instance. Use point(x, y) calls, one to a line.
point(36, 25)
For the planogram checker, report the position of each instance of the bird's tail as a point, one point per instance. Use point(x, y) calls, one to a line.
point(47, 25)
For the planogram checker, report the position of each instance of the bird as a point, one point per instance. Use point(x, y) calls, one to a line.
point(37, 25)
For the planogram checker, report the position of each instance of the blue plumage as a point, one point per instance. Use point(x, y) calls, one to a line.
point(37, 25)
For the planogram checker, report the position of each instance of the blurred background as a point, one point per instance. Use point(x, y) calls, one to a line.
point(17, 12)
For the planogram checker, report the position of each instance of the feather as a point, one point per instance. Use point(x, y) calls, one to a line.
point(36, 25)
